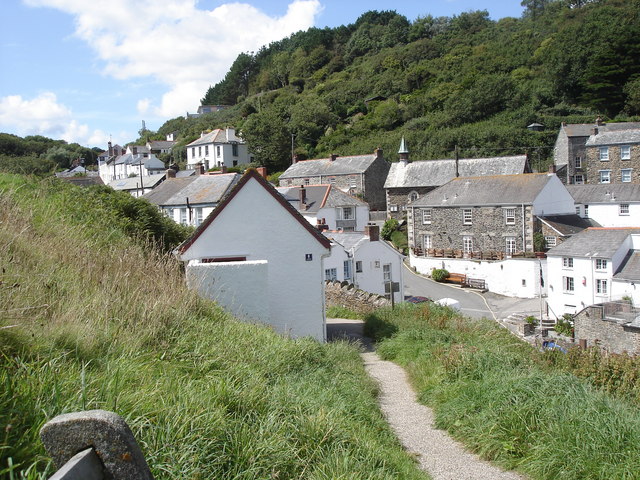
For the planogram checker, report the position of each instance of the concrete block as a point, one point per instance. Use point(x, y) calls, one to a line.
point(108, 434)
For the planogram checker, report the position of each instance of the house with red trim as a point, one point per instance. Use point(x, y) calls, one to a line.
point(261, 260)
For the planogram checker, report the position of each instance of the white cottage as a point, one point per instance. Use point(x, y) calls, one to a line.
point(261, 260)
point(609, 205)
point(218, 148)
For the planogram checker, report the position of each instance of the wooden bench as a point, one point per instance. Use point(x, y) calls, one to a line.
point(459, 278)
point(476, 283)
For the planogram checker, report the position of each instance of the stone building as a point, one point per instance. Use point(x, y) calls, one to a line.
point(476, 217)
point(613, 157)
point(359, 175)
point(570, 151)
point(610, 327)
point(408, 181)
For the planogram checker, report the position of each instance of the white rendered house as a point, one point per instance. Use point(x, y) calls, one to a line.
point(595, 266)
point(364, 260)
point(218, 148)
point(609, 205)
point(261, 260)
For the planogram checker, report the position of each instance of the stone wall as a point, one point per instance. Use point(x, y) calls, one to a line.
point(615, 164)
point(399, 197)
point(609, 335)
point(374, 178)
point(343, 294)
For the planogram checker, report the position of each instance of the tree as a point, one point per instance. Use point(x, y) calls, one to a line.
point(268, 138)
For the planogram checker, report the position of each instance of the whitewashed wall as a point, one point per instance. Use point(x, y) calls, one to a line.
point(513, 278)
point(554, 199)
point(608, 215)
point(239, 287)
point(371, 278)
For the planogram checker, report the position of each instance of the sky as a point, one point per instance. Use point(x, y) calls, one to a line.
point(90, 71)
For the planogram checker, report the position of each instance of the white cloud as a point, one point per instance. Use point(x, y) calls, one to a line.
point(43, 115)
point(143, 106)
point(186, 48)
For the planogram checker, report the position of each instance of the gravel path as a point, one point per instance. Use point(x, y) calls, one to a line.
point(437, 453)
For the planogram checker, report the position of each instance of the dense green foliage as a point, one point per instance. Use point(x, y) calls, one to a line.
point(439, 274)
point(92, 316)
point(440, 82)
point(37, 154)
point(509, 402)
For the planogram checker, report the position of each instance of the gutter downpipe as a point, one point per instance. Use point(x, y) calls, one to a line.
point(524, 239)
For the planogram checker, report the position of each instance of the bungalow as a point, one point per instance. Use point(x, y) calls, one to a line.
point(614, 205)
point(189, 200)
point(328, 206)
point(218, 148)
point(261, 260)
point(408, 181)
point(359, 175)
point(365, 261)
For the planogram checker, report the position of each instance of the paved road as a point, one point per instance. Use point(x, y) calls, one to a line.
point(471, 302)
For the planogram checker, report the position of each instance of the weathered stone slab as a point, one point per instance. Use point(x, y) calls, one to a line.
point(108, 434)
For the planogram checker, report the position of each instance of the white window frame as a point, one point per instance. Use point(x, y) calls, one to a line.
point(586, 211)
point(605, 176)
point(413, 196)
point(625, 175)
point(568, 285)
point(510, 245)
point(601, 264)
point(199, 215)
point(467, 243)
point(346, 213)
point(467, 216)
point(603, 153)
point(427, 215)
point(330, 274)
point(578, 162)
point(578, 179)
point(623, 209)
point(625, 152)
point(347, 269)
point(567, 263)
point(353, 181)
point(393, 208)
point(427, 241)
point(550, 241)
point(510, 216)
point(358, 266)
point(386, 272)
point(601, 286)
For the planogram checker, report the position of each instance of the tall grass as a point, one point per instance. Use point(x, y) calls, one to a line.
point(92, 316)
point(508, 402)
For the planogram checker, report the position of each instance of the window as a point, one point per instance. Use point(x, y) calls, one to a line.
point(193, 152)
point(234, 149)
point(601, 287)
point(386, 272)
point(567, 262)
point(426, 216)
point(605, 176)
point(467, 244)
point(578, 210)
point(510, 216)
point(169, 212)
point(306, 181)
point(624, 209)
point(625, 152)
point(510, 245)
point(550, 241)
point(578, 179)
point(359, 266)
point(346, 213)
point(198, 216)
point(604, 154)
point(413, 196)
point(347, 269)
point(330, 274)
point(183, 216)
point(353, 181)
point(199, 151)
point(427, 241)
point(466, 216)
point(567, 284)
point(586, 211)
point(601, 264)
point(218, 150)
point(393, 208)
point(625, 175)
point(332, 180)
point(578, 163)
point(206, 150)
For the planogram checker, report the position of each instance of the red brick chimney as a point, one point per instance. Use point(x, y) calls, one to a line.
point(373, 232)
point(262, 171)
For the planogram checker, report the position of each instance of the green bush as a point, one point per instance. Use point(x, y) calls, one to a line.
point(388, 228)
point(400, 241)
point(439, 274)
point(564, 326)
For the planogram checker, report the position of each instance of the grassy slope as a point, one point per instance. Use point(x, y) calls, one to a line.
point(90, 319)
point(508, 402)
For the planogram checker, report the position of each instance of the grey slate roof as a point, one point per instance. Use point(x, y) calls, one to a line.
point(593, 242)
point(616, 137)
point(584, 129)
point(605, 193)
point(630, 268)
point(486, 190)
point(219, 135)
point(433, 173)
point(349, 240)
point(568, 224)
point(319, 196)
point(131, 183)
point(199, 189)
point(325, 166)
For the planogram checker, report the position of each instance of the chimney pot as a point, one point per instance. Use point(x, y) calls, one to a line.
point(223, 169)
point(599, 121)
point(262, 171)
point(333, 157)
point(171, 173)
point(594, 131)
point(296, 158)
point(302, 197)
point(378, 152)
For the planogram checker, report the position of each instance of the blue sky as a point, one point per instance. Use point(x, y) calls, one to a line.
point(90, 70)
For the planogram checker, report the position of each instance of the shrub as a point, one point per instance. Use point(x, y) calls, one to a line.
point(564, 325)
point(389, 227)
point(439, 274)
